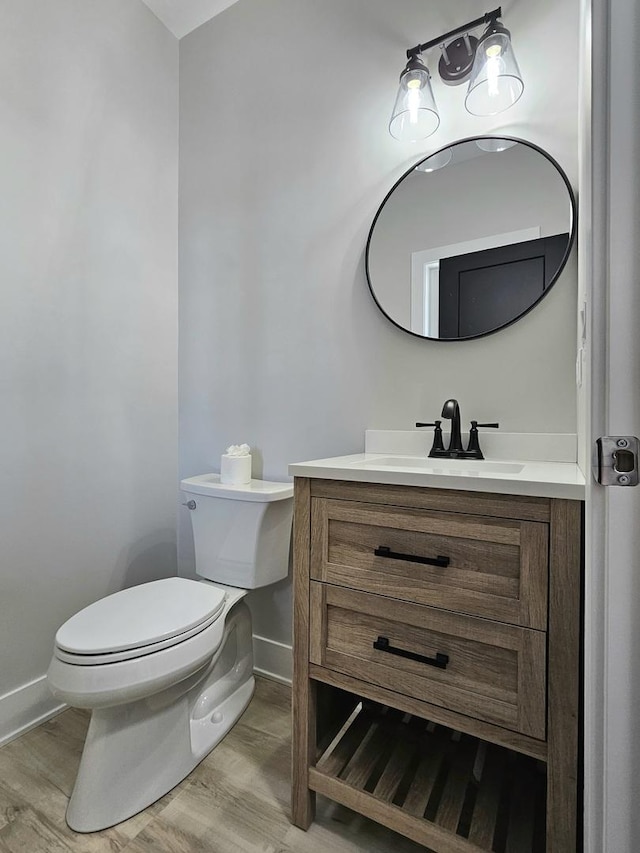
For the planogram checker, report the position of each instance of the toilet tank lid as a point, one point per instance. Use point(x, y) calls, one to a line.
point(141, 616)
point(261, 491)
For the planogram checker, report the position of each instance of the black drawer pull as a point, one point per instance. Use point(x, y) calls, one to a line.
point(383, 551)
point(382, 645)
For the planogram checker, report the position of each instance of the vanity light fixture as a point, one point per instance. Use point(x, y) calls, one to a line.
point(488, 63)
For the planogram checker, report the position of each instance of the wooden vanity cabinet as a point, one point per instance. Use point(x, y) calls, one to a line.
point(436, 663)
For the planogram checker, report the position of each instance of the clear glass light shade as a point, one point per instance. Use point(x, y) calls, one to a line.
point(494, 144)
point(415, 115)
point(437, 161)
point(495, 83)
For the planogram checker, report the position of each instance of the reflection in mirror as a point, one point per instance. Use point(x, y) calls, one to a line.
point(470, 238)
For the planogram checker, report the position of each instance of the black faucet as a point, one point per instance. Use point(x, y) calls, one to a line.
point(451, 411)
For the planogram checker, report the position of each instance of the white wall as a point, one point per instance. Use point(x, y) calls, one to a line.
point(88, 329)
point(284, 159)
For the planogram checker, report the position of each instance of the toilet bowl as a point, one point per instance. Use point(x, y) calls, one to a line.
point(167, 667)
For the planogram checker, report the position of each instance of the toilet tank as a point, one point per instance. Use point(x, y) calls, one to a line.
point(241, 534)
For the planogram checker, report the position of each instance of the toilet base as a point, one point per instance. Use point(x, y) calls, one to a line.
point(136, 753)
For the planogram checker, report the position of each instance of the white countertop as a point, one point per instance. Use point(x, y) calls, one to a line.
point(500, 476)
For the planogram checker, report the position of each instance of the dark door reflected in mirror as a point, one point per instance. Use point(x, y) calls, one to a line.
point(471, 238)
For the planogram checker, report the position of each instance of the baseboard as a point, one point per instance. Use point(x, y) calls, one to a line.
point(272, 659)
point(25, 708)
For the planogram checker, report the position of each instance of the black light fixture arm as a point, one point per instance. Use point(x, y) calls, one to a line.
point(487, 18)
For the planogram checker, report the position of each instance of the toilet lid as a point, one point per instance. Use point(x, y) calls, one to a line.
point(142, 616)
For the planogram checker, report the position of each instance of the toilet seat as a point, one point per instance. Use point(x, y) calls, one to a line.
point(139, 621)
point(96, 685)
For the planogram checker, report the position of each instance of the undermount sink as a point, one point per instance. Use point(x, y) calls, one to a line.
point(464, 467)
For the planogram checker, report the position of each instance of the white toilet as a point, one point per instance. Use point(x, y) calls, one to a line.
point(167, 667)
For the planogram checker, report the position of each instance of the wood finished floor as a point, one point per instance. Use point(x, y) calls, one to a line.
point(236, 800)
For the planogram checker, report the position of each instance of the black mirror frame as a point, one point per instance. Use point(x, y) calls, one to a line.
point(565, 258)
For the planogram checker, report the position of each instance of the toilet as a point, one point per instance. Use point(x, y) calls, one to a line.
point(167, 667)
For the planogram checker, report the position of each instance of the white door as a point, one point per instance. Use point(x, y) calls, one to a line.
point(612, 618)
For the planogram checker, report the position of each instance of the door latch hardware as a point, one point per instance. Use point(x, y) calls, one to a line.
point(617, 460)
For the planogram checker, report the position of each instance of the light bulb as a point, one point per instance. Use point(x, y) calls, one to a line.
point(494, 70)
point(413, 104)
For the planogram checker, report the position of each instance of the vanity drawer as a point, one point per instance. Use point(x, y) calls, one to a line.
point(492, 671)
point(495, 568)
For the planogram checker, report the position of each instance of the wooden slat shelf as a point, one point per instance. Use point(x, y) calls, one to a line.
point(434, 784)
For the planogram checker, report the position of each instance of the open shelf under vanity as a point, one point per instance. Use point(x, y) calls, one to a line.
point(429, 780)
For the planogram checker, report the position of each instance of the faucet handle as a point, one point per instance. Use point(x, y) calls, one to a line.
point(437, 445)
point(474, 443)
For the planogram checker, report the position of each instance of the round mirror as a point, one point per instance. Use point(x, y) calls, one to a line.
point(471, 238)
